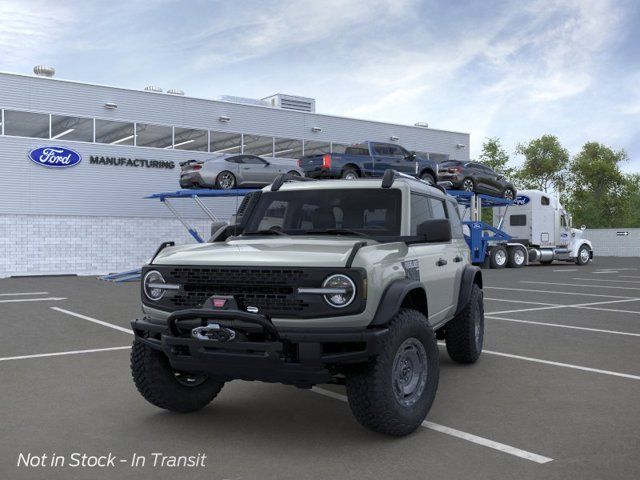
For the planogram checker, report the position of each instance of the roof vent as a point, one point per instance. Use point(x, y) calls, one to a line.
point(422, 124)
point(175, 91)
point(44, 71)
point(153, 88)
point(243, 100)
point(291, 102)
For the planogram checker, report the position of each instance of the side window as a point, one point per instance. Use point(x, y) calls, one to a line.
point(563, 221)
point(381, 149)
point(454, 218)
point(420, 211)
point(397, 151)
point(437, 208)
point(544, 201)
point(518, 220)
point(250, 159)
point(234, 159)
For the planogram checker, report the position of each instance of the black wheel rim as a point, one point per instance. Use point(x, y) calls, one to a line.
point(409, 372)
point(190, 379)
point(225, 180)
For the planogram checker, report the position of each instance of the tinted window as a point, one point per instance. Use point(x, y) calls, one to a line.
point(338, 147)
point(71, 128)
point(223, 142)
point(544, 200)
point(437, 208)
point(357, 151)
point(389, 150)
point(26, 124)
point(157, 136)
point(287, 148)
point(420, 211)
point(371, 211)
point(518, 220)
point(250, 159)
point(234, 160)
point(454, 218)
point(316, 148)
point(114, 133)
point(191, 139)
point(258, 145)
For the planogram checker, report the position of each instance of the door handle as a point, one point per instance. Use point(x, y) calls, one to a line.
point(458, 259)
point(441, 263)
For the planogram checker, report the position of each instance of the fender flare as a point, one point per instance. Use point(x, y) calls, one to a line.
point(392, 299)
point(580, 243)
point(470, 275)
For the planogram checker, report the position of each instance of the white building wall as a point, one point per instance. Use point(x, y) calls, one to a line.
point(614, 242)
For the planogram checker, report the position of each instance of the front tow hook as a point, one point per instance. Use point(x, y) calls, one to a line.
point(214, 332)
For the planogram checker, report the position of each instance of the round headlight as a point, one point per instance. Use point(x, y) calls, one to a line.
point(344, 290)
point(150, 285)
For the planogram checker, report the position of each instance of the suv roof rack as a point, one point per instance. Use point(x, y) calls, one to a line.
point(391, 175)
point(287, 177)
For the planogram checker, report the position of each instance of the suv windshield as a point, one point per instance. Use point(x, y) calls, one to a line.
point(362, 212)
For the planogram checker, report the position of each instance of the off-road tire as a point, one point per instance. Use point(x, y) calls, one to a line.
point(579, 260)
point(349, 173)
point(221, 175)
point(155, 380)
point(464, 342)
point(428, 177)
point(495, 259)
point(370, 387)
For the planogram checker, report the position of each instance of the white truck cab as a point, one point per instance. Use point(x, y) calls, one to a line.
point(538, 221)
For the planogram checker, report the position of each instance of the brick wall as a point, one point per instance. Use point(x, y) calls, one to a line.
point(49, 244)
point(613, 241)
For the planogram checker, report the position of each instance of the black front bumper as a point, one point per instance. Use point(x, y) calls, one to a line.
point(260, 352)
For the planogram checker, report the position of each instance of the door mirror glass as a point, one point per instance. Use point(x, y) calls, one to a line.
point(435, 230)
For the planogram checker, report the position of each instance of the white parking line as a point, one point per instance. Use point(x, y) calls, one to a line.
point(58, 354)
point(573, 327)
point(22, 293)
point(47, 299)
point(604, 280)
point(579, 285)
point(469, 437)
point(576, 305)
point(567, 270)
point(94, 320)
point(556, 292)
point(565, 365)
point(519, 301)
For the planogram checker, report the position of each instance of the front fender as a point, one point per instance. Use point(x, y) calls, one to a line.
point(392, 299)
point(578, 244)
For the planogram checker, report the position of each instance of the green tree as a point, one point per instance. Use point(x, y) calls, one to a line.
point(496, 157)
point(632, 184)
point(600, 192)
point(545, 164)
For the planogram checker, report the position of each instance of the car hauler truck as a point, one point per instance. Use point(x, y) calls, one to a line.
point(538, 222)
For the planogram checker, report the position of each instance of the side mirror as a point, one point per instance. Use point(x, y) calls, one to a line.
point(435, 230)
point(583, 228)
point(410, 157)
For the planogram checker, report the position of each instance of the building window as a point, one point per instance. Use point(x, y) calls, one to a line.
point(287, 148)
point(26, 124)
point(338, 147)
point(71, 128)
point(191, 139)
point(114, 133)
point(258, 145)
point(316, 148)
point(156, 136)
point(225, 143)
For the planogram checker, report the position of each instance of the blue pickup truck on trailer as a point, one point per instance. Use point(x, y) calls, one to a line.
point(369, 159)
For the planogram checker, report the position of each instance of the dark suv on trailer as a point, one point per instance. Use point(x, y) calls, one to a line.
point(476, 177)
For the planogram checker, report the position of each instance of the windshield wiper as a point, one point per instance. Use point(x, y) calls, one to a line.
point(338, 231)
point(266, 232)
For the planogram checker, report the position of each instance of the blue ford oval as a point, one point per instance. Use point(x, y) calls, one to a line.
point(55, 157)
point(521, 200)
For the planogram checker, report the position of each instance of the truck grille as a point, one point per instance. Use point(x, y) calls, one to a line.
point(272, 291)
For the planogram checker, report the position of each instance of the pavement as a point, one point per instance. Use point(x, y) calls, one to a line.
point(555, 394)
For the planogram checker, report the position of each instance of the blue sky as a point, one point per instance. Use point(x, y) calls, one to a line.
point(511, 69)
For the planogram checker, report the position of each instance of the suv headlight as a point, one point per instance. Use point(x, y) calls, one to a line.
point(153, 285)
point(344, 290)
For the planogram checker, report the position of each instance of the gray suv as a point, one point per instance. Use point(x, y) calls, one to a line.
point(335, 281)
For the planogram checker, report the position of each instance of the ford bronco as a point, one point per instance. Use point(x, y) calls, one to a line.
point(336, 281)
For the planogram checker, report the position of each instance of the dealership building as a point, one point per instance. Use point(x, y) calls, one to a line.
point(92, 217)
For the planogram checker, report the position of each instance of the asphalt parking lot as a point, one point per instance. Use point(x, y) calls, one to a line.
point(555, 394)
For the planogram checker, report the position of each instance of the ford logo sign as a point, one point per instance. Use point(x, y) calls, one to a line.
point(55, 157)
point(521, 200)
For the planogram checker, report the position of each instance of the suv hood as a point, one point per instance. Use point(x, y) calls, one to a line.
point(320, 251)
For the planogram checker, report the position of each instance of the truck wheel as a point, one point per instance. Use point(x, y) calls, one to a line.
point(163, 387)
point(393, 393)
point(498, 258)
point(349, 174)
point(584, 255)
point(464, 334)
point(517, 257)
point(427, 177)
